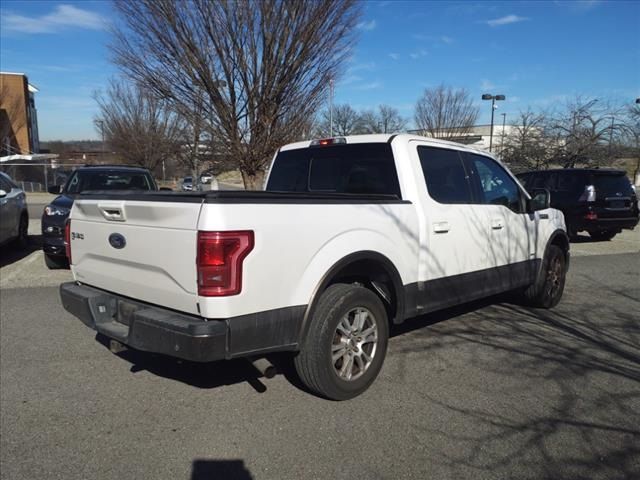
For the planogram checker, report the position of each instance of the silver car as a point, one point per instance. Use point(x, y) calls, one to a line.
point(14, 218)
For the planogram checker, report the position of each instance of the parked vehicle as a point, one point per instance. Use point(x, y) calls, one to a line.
point(14, 217)
point(187, 184)
point(84, 179)
point(352, 234)
point(208, 181)
point(600, 201)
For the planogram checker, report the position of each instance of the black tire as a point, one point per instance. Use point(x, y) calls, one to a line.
point(22, 240)
point(547, 291)
point(315, 365)
point(55, 262)
point(572, 233)
point(602, 236)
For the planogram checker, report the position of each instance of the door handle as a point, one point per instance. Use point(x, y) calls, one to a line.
point(441, 227)
point(497, 223)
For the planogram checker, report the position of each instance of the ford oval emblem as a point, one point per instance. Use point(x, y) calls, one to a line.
point(117, 241)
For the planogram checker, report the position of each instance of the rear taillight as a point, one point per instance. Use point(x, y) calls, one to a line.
point(219, 262)
point(591, 216)
point(67, 239)
point(589, 194)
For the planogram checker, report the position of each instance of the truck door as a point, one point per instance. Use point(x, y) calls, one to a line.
point(511, 229)
point(455, 246)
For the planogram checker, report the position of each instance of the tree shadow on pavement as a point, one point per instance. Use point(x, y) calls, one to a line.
point(11, 253)
point(576, 370)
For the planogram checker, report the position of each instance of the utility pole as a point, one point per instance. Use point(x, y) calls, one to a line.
point(331, 107)
point(611, 136)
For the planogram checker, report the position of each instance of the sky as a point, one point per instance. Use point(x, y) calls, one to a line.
point(539, 54)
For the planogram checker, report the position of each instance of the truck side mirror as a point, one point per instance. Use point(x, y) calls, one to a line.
point(55, 189)
point(540, 200)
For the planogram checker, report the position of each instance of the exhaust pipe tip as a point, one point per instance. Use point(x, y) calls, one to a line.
point(264, 366)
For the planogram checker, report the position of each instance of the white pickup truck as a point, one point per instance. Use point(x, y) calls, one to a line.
point(351, 234)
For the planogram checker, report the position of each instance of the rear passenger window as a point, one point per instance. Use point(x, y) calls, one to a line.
point(445, 175)
point(494, 184)
point(571, 182)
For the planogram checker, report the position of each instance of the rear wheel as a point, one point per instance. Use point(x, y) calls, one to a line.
point(603, 235)
point(572, 233)
point(346, 343)
point(547, 291)
point(54, 262)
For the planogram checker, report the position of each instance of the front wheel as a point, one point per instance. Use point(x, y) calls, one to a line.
point(346, 343)
point(22, 240)
point(547, 290)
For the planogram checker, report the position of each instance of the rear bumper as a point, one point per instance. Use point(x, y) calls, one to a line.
point(144, 327)
point(602, 224)
point(155, 329)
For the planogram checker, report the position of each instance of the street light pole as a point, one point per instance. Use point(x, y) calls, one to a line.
point(101, 122)
point(504, 121)
point(493, 98)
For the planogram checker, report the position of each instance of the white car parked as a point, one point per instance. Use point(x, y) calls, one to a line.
point(14, 217)
point(351, 234)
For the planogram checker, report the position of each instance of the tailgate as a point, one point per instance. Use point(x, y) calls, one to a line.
point(145, 250)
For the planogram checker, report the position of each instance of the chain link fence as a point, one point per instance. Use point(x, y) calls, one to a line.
point(38, 177)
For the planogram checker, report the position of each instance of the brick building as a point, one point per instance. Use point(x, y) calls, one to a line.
point(18, 115)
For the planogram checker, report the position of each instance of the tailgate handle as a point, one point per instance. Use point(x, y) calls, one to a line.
point(114, 213)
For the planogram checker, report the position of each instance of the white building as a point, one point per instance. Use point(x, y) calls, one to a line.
point(479, 136)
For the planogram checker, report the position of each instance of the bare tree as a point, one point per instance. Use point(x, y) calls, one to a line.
point(346, 121)
point(444, 112)
point(138, 126)
point(261, 68)
point(631, 135)
point(584, 132)
point(526, 146)
point(386, 120)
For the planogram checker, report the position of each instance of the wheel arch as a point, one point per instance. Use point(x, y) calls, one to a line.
point(375, 271)
point(560, 239)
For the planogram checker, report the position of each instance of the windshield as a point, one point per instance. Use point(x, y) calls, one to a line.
point(88, 180)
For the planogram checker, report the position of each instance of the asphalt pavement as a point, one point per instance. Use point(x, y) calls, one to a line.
point(490, 390)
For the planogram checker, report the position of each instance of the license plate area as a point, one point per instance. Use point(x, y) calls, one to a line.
point(126, 311)
point(618, 203)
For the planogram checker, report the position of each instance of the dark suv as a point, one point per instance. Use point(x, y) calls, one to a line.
point(84, 179)
point(600, 201)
